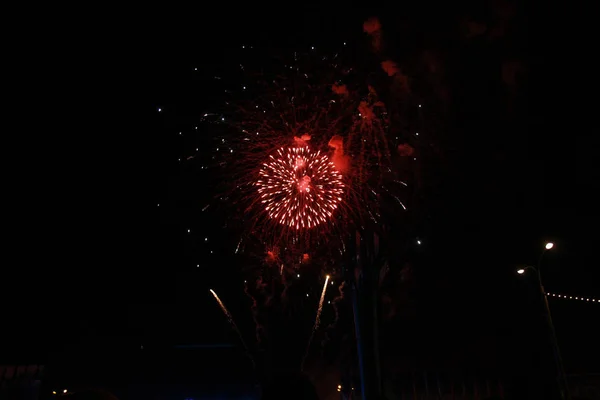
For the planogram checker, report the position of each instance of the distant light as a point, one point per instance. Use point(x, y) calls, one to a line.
point(65, 391)
point(222, 119)
point(418, 242)
point(344, 43)
point(243, 47)
point(339, 386)
point(520, 271)
point(189, 230)
point(417, 133)
point(329, 302)
point(159, 109)
point(312, 47)
point(180, 133)
point(211, 252)
point(158, 205)
point(298, 275)
point(244, 87)
point(53, 392)
point(306, 294)
point(197, 265)
point(419, 106)
point(195, 69)
point(549, 245)
point(206, 239)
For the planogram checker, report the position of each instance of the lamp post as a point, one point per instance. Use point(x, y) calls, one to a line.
point(561, 378)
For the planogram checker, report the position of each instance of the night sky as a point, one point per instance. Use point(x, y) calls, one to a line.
point(103, 267)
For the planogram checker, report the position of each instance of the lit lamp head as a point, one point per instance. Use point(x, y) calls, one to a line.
point(549, 245)
point(521, 271)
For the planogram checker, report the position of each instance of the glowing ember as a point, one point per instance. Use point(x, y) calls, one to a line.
point(300, 188)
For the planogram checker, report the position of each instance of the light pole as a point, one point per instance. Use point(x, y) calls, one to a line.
point(561, 378)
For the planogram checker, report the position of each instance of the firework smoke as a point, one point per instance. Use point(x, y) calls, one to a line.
point(317, 320)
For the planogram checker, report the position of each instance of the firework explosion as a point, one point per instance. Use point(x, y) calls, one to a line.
point(304, 152)
point(300, 153)
point(299, 188)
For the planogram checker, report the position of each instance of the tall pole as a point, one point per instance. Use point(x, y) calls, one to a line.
point(365, 305)
point(563, 386)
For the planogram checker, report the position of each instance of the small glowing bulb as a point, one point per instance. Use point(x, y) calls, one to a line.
point(195, 69)
point(549, 245)
point(417, 133)
point(520, 271)
point(418, 242)
point(419, 106)
point(189, 230)
point(211, 252)
point(244, 87)
point(65, 391)
point(298, 275)
point(158, 205)
point(206, 239)
point(243, 47)
point(180, 133)
point(306, 294)
point(339, 386)
point(222, 119)
point(54, 392)
point(159, 109)
point(329, 302)
point(312, 47)
point(197, 265)
point(344, 43)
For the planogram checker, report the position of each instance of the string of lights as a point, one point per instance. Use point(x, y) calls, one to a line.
point(564, 296)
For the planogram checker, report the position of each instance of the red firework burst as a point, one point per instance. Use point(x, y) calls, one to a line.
point(299, 188)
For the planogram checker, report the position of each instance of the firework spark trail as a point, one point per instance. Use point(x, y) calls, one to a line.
point(232, 322)
point(317, 321)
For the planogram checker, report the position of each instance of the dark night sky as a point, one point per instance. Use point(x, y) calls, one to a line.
point(103, 264)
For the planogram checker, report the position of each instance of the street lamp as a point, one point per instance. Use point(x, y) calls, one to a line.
point(562, 381)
